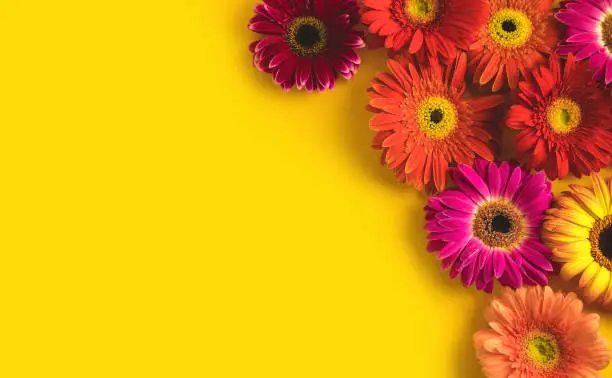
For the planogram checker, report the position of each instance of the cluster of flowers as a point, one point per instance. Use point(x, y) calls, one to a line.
point(452, 67)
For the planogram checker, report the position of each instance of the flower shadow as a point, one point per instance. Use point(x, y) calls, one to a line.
point(356, 131)
point(466, 360)
point(416, 238)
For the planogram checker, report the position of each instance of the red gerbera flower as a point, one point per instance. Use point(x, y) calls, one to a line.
point(564, 120)
point(512, 41)
point(424, 122)
point(438, 26)
point(307, 43)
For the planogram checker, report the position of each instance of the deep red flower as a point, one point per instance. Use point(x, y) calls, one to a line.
point(306, 43)
point(424, 122)
point(564, 118)
point(512, 41)
point(435, 26)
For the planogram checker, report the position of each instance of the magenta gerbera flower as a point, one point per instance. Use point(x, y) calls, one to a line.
point(589, 34)
point(306, 43)
point(489, 226)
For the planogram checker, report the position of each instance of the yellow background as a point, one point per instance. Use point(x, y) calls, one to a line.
point(167, 211)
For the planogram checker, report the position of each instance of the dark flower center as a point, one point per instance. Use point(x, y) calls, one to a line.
point(306, 36)
point(605, 242)
point(606, 32)
point(509, 26)
point(498, 224)
point(436, 116)
point(601, 241)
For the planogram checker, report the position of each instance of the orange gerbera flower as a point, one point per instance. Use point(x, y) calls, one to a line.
point(424, 123)
point(535, 332)
point(513, 40)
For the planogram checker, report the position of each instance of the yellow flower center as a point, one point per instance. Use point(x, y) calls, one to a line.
point(509, 28)
point(542, 350)
point(563, 115)
point(436, 117)
point(421, 11)
point(306, 36)
point(606, 31)
point(601, 241)
point(498, 224)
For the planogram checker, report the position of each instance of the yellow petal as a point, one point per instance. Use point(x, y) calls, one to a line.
point(601, 190)
point(560, 238)
point(608, 297)
point(577, 248)
point(569, 229)
point(598, 286)
point(572, 252)
point(589, 273)
point(579, 217)
point(586, 198)
point(573, 268)
point(567, 202)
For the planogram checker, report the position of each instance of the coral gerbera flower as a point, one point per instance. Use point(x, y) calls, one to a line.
point(579, 232)
point(535, 332)
point(564, 120)
point(424, 122)
point(306, 43)
point(511, 42)
point(489, 227)
point(589, 34)
point(438, 26)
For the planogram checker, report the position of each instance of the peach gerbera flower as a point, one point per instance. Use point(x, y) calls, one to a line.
point(535, 332)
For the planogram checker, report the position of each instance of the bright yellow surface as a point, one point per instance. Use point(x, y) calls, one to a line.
point(168, 212)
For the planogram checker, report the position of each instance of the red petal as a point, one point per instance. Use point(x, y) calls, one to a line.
point(459, 71)
point(394, 139)
point(491, 69)
point(417, 41)
point(513, 73)
point(399, 72)
point(482, 103)
point(440, 167)
point(499, 79)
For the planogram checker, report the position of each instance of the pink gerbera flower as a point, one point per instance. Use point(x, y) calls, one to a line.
point(306, 43)
point(489, 227)
point(535, 332)
point(589, 34)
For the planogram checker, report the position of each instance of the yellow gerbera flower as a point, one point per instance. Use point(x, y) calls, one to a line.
point(578, 229)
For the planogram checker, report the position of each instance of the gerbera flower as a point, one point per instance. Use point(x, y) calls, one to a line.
point(579, 232)
point(306, 43)
point(535, 332)
point(489, 227)
point(438, 26)
point(589, 34)
point(564, 120)
point(424, 122)
point(511, 42)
